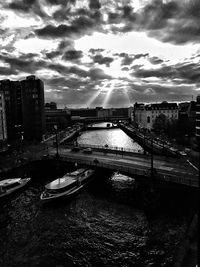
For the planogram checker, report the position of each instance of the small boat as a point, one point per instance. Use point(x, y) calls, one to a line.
point(9, 186)
point(68, 185)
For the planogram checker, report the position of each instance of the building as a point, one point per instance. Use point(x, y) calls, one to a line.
point(83, 113)
point(24, 106)
point(113, 113)
point(187, 118)
point(3, 128)
point(105, 113)
point(187, 111)
point(145, 115)
point(198, 120)
point(33, 108)
point(12, 93)
point(51, 105)
point(59, 117)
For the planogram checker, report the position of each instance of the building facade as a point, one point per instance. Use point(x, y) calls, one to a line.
point(3, 128)
point(145, 115)
point(33, 108)
point(24, 107)
point(59, 117)
point(198, 121)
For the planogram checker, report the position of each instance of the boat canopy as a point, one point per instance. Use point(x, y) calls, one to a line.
point(59, 183)
point(77, 172)
point(66, 180)
point(9, 182)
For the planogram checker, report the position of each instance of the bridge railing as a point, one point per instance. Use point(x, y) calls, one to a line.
point(114, 148)
point(158, 144)
point(106, 165)
point(142, 171)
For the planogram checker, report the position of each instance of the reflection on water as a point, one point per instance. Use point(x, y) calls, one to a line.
point(95, 228)
point(111, 137)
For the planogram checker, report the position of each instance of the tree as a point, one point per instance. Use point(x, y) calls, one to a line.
point(160, 124)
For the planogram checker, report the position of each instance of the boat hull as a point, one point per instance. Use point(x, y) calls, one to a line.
point(12, 191)
point(66, 195)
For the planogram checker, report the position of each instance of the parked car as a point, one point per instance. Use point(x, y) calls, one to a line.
point(75, 149)
point(87, 150)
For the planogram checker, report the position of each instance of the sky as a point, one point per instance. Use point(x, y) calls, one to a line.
point(104, 53)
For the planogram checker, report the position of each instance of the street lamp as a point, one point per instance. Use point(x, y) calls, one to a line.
point(19, 133)
point(151, 157)
point(56, 128)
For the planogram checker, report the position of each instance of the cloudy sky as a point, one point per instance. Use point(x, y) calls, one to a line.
point(103, 52)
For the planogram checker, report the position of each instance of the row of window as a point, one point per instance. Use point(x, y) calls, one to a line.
point(165, 111)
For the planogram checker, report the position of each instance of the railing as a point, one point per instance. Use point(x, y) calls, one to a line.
point(141, 171)
point(146, 140)
point(113, 148)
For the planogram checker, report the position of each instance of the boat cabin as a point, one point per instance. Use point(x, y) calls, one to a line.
point(9, 184)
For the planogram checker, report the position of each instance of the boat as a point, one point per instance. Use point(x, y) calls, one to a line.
point(68, 185)
point(9, 186)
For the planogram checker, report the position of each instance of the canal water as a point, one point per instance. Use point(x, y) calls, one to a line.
point(111, 137)
point(101, 226)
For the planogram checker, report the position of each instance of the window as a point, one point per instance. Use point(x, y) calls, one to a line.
point(148, 119)
point(35, 95)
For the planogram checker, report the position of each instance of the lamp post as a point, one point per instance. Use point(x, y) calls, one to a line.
point(151, 158)
point(19, 134)
point(56, 128)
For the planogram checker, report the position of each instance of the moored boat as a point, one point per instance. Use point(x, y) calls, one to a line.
point(68, 185)
point(9, 186)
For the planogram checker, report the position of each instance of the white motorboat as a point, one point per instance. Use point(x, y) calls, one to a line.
point(68, 185)
point(9, 186)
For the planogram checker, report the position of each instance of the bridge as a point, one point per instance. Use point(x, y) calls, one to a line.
point(100, 119)
point(90, 127)
point(139, 166)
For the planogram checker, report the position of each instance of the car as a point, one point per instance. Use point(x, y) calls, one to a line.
point(96, 161)
point(183, 153)
point(87, 150)
point(75, 149)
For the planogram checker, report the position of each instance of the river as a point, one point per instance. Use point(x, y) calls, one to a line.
point(110, 137)
point(102, 226)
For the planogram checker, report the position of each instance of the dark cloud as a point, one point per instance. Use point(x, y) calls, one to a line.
point(94, 4)
point(172, 21)
point(62, 47)
point(137, 56)
point(125, 69)
point(24, 63)
point(60, 2)
point(28, 56)
point(23, 5)
point(187, 73)
point(102, 60)
point(98, 74)
point(52, 54)
point(94, 51)
point(128, 59)
point(94, 74)
point(163, 72)
point(61, 69)
point(54, 31)
point(28, 6)
point(155, 60)
point(8, 71)
point(80, 26)
point(16, 62)
point(65, 44)
point(72, 55)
